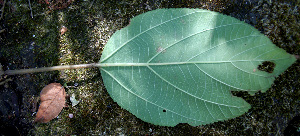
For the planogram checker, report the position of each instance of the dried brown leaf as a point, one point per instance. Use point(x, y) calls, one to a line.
point(63, 29)
point(52, 102)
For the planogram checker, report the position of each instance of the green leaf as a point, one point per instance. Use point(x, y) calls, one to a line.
point(173, 66)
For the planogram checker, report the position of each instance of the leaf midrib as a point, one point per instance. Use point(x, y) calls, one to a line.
point(178, 63)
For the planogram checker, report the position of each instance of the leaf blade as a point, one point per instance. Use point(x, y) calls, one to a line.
point(173, 66)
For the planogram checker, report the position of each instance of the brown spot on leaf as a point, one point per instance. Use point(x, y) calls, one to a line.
point(52, 102)
point(267, 66)
point(160, 49)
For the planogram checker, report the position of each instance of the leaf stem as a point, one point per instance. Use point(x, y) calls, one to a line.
point(33, 70)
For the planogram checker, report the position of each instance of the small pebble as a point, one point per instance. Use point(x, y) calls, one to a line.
point(71, 115)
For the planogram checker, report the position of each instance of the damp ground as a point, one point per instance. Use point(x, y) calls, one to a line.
point(62, 32)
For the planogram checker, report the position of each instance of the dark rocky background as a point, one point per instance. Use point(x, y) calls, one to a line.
point(31, 36)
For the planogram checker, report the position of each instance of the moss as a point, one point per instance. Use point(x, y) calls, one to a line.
point(37, 42)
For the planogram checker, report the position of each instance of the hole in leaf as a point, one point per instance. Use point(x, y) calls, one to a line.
point(164, 110)
point(267, 66)
point(241, 94)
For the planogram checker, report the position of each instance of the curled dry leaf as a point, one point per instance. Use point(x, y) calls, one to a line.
point(52, 102)
point(73, 100)
point(63, 29)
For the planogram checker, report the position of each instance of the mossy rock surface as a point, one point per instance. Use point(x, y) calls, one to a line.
point(37, 41)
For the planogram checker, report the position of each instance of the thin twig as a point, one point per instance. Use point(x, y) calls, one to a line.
point(30, 9)
point(91, 4)
point(5, 81)
point(1, 71)
point(2, 9)
point(33, 70)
